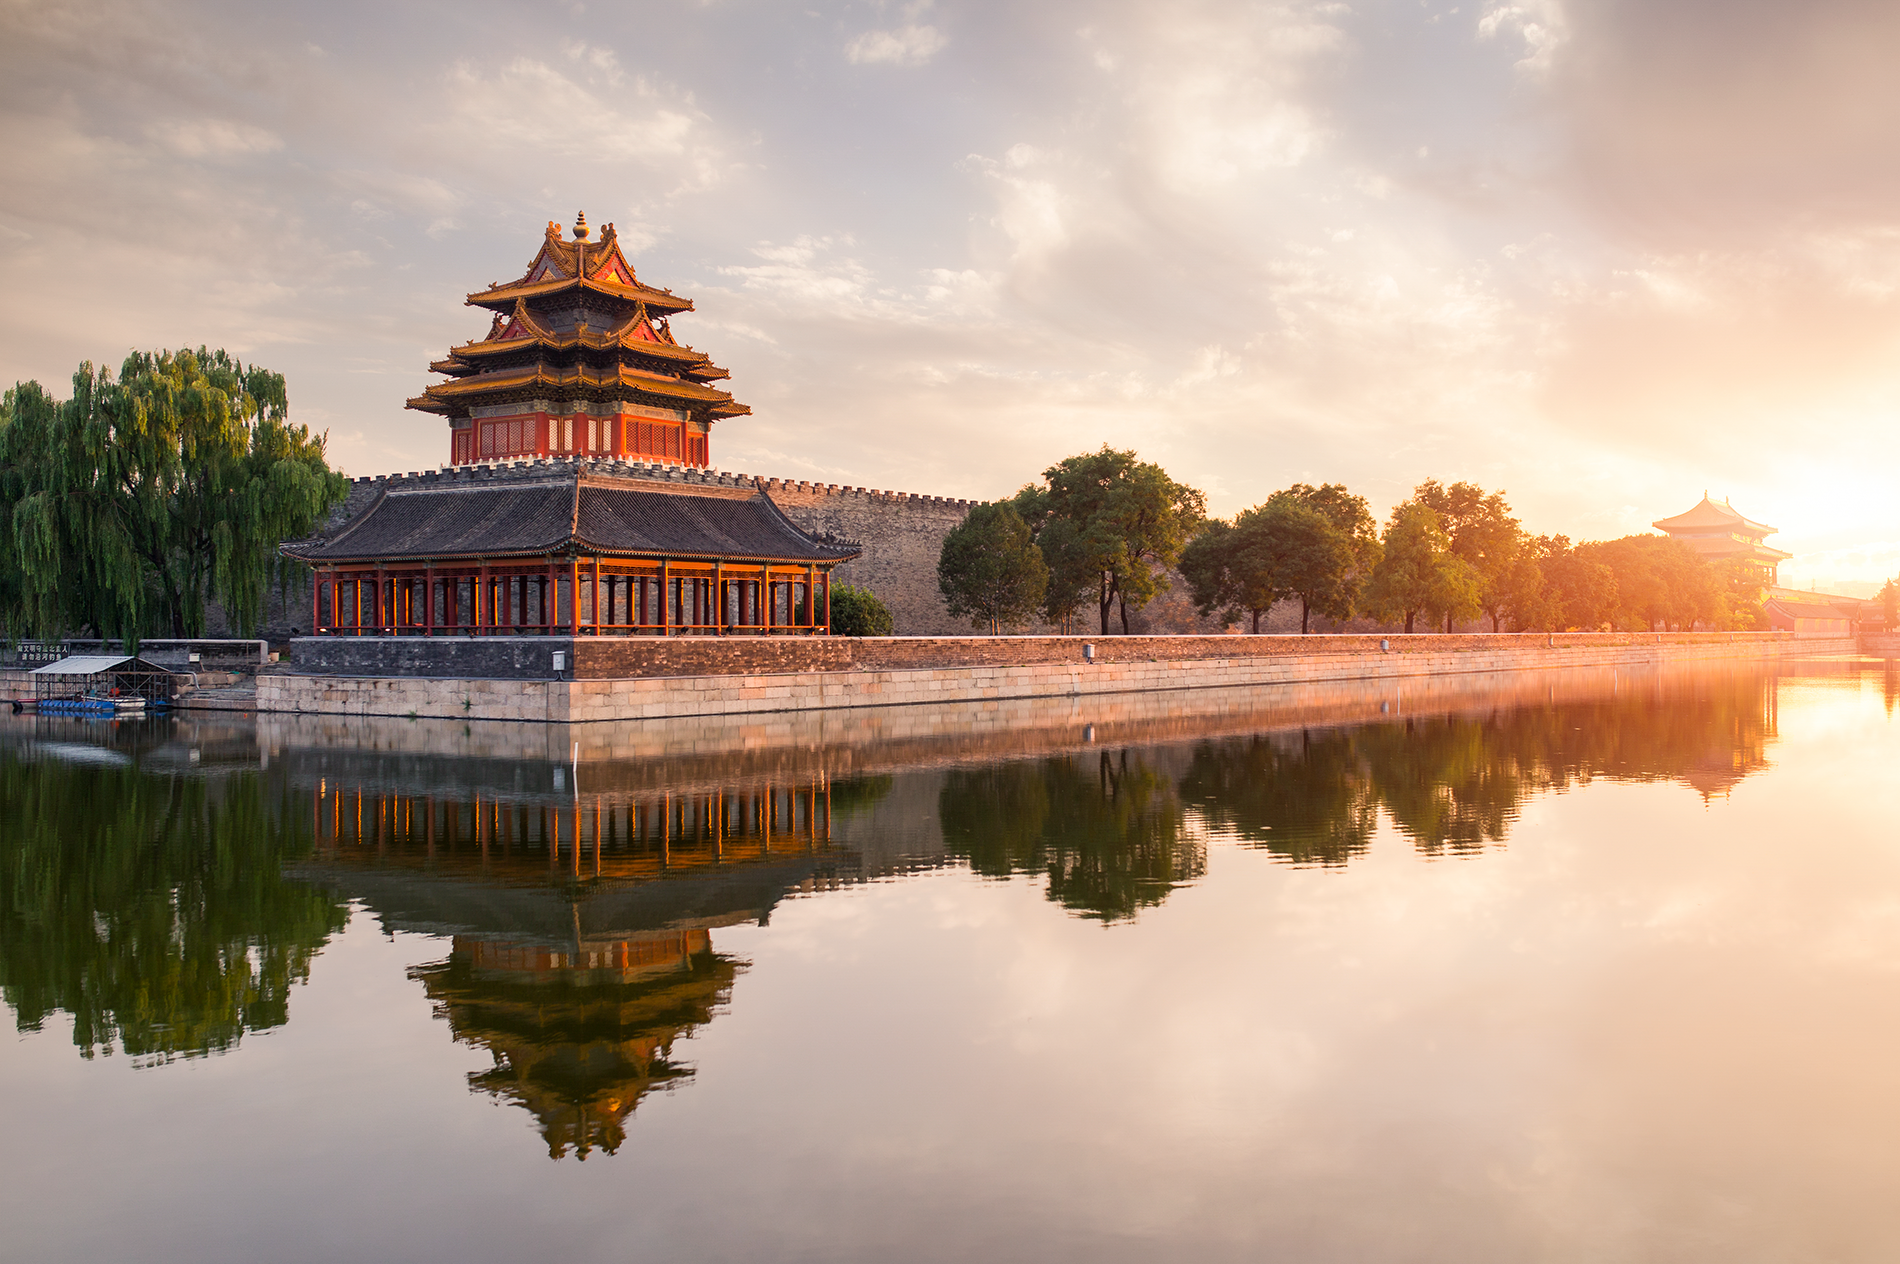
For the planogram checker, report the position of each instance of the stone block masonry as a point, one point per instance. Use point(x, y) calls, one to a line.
point(902, 537)
point(838, 673)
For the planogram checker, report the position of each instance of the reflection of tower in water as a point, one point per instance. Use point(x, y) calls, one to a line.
point(579, 1036)
point(581, 925)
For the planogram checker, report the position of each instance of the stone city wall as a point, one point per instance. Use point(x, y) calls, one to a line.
point(902, 535)
point(711, 750)
point(662, 696)
point(615, 657)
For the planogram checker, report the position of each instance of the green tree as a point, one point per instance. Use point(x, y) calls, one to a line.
point(1417, 571)
point(858, 612)
point(990, 570)
point(1231, 567)
point(1206, 563)
point(1278, 550)
point(1661, 583)
point(1334, 590)
point(1127, 523)
point(141, 497)
point(1741, 594)
point(1483, 533)
point(1583, 589)
point(1072, 578)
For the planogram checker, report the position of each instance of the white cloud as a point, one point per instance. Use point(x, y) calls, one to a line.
point(909, 45)
point(216, 138)
point(1539, 23)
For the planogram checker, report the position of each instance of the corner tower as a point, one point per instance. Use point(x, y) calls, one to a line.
point(579, 359)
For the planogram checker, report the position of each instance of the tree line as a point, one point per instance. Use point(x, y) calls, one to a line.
point(1106, 532)
point(128, 506)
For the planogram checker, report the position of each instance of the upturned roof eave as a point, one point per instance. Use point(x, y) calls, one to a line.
point(505, 380)
point(506, 295)
point(568, 342)
point(570, 545)
point(1707, 514)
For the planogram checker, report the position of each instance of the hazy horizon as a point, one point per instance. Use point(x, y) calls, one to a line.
point(1600, 256)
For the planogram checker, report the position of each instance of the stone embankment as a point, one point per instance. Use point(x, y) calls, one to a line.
point(650, 678)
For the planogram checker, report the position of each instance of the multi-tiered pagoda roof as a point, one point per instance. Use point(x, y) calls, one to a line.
point(579, 358)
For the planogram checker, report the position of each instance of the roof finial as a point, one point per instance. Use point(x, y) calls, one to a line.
point(580, 226)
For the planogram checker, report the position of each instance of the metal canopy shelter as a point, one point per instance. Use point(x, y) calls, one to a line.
point(102, 676)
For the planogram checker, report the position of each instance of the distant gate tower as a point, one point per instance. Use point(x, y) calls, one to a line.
point(1720, 534)
point(578, 361)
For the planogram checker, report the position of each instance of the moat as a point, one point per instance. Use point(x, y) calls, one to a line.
point(1583, 965)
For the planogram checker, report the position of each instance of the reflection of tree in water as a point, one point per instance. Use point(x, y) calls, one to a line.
point(151, 908)
point(1299, 795)
point(854, 796)
point(1106, 831)
point(1454, 783)
point(1448, 783)
point(580, 1036)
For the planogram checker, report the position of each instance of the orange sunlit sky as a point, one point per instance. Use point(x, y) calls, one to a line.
point(1601, 255)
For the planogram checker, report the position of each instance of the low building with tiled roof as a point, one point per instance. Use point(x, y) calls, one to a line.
point(568, 546)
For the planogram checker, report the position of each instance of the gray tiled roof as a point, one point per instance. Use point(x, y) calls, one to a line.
point(538, 510)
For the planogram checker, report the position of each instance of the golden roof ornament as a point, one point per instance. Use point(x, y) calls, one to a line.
point(580, 226)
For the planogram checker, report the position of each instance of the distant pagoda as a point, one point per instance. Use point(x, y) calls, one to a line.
point(579, 360)
point(1720, 534)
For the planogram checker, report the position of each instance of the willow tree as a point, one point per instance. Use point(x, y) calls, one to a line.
point(143, 496)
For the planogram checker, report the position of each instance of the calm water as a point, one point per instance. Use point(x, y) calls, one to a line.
point(1587, 967)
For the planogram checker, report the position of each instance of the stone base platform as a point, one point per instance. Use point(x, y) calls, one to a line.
point(1046, 667)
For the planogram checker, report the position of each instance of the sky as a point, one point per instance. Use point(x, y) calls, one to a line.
point(1602, 256)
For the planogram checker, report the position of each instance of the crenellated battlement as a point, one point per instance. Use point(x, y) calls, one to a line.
point(663, 471)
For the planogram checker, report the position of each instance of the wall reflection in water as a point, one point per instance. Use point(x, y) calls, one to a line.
point(165, 883)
